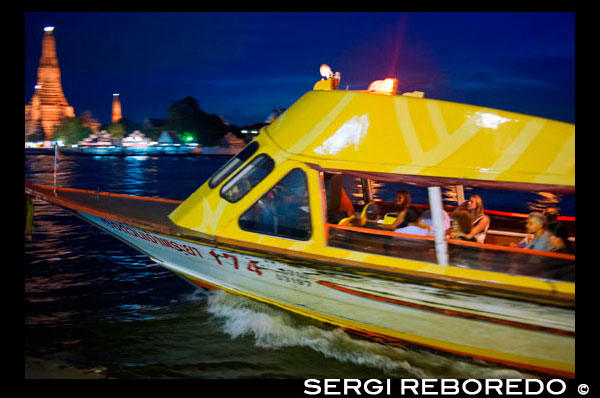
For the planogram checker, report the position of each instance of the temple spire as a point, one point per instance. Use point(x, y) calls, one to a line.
point(48, 106)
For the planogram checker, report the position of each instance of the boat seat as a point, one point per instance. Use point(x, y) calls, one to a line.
point(367, 213)
point(389, 218)
point(346, 221)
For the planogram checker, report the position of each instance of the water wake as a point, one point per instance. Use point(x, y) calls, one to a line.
point(274, 328)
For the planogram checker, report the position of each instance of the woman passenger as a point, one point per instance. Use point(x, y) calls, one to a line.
point(481, 222)
point(411, 222)
point(401, 202)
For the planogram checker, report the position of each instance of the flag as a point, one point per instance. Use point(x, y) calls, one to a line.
point(58, 153)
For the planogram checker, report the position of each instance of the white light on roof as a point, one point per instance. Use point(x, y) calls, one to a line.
point(49, 29)
point(325, 71)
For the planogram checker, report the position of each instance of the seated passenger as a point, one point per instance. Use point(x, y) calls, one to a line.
point(402, 200)
point(537, 226)
point(462, 224)
point(411, 222)
point(558, 231)
point(481, 222)
point(339, 205)
point(428, 219)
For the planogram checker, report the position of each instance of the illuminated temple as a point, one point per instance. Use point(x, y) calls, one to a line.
point(48, 105)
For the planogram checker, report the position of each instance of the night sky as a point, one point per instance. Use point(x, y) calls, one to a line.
point(243, 65)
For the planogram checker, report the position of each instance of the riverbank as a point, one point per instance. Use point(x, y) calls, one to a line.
point(124, 151)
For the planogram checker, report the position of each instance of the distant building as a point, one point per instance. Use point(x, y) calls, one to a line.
point(103, 138)
point(48, 106)
point(116, 109)
point(88, 121)
point(169, 137)
point(137, 139)
point(230, 140)
point(150, 124)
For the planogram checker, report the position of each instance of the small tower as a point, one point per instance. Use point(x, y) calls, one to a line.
point(116, 109)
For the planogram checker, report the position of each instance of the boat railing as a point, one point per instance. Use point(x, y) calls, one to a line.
point(463, 254)
point(506, 227)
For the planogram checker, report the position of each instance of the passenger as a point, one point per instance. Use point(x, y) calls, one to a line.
point(428, 219)
point(339, 205)
point(558, 238)
point(401, 202)
point(558, 230)
point(346, 204)
point(537, 226)
point(481, 222)
point(462, 224)
point(411, 222)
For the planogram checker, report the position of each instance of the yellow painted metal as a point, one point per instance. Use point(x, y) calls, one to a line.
point(400, 134)
point(325, 84)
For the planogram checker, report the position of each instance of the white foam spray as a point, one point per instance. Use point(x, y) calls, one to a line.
point(275, 328)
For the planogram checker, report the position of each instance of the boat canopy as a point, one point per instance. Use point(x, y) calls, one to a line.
point(404, 135)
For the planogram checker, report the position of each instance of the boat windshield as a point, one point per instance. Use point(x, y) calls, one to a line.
point(232, 164)
point(367, 225)
point(247, 178)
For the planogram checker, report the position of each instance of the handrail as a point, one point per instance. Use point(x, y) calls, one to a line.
point(454, 241)
point(493, 212)
point(100, 193)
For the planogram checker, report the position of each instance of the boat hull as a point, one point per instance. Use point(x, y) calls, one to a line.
point(519, 334)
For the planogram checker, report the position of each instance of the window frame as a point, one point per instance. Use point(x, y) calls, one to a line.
point(240, 174)
point(230, 164)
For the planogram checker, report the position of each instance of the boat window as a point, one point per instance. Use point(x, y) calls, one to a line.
point(247, 178)
point(371, 227)
point(283, 211)
point(232, 164)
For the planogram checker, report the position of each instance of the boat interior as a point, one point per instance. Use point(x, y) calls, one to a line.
point(365, 231)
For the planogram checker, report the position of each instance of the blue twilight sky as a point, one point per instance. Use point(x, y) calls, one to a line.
point(242, 65)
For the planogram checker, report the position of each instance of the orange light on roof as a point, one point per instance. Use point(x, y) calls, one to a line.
point(387, 86)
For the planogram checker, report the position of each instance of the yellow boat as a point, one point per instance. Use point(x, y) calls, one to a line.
point(266, 225)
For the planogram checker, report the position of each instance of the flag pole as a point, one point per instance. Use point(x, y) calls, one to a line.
point(55, 149)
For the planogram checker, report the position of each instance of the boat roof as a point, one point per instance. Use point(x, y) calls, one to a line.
point(403, 135)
